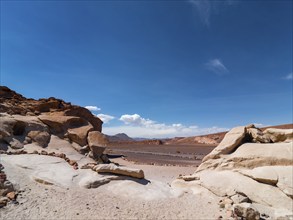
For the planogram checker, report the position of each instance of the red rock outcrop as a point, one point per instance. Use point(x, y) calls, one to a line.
point(27, 120)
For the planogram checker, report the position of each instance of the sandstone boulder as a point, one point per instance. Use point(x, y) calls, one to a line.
point(97, 142)
point(79, 134)
point(261, 173)
point(41, 137)
point(279, 135)
point(257, 136)
point(60, 123)
point(231, 141)
point(125, 171)
point(86, 115)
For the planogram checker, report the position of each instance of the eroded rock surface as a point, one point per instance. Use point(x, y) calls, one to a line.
point(250, 165)
point(25, 121)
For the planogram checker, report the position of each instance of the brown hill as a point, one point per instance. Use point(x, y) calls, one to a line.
point(212, 139)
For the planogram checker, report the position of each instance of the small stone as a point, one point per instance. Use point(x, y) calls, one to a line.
point(72, 162)
point(35, 152)
point(44, 152)
point(3, 201)
point(3, 177)
point(247, 211)
point(51, 154)
point(62, 155)
point(11, 195)
point(222, 205)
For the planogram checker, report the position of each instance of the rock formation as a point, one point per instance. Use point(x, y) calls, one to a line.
point(49, 139)
point(253, 169)
point(24, 121)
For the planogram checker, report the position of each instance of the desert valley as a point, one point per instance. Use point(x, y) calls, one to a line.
point(56, 163)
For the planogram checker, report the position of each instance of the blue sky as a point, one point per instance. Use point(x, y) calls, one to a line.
point(154, 68)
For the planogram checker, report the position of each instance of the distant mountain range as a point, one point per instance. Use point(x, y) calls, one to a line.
point(119, 137)
point(211, 139)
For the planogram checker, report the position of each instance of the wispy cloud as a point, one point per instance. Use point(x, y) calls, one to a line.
point(137, 126)
point(105, 118)
point(92, 108)
point(205, 8)
point(288, 77)
point(217, 67)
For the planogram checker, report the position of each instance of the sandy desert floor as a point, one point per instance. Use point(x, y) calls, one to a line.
point(176, 155)
point(152, 198)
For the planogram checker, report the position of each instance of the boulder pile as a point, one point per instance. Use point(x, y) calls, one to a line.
point(6, 188)
point(252, 171)
point(25, 121)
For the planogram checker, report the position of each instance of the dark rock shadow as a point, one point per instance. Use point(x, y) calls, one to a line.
point(3, 146)
point(122, 177)
point(113, 156)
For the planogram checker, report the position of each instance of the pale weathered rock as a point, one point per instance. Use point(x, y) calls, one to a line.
point(227, 183)
point(112, 168)
point(41, 137)
point(265, 174)
point(279, 135)
point(233, 139)
point(262, 173)
point(257, 136)
point(247, 211)
point(285, 179)
point(238, 198)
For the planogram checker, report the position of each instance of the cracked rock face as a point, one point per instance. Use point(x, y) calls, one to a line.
point(250, 163)
point(25, 121)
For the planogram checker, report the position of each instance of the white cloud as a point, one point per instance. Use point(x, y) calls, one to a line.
point(216, 66)
point(92, 108)
point(289, 76)
point(161, 131)
point(136, 119)
point(105, 118)
point(137, 126)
